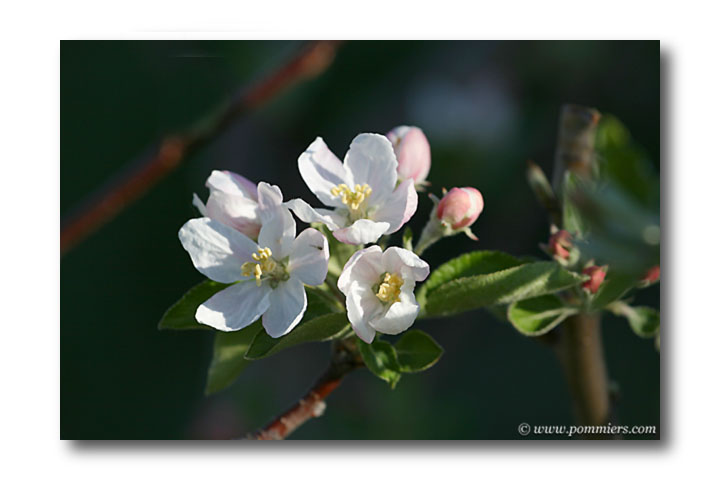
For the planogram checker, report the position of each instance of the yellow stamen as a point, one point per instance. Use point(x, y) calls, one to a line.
point(353, 199)
point(389, 291)
point(264, 264)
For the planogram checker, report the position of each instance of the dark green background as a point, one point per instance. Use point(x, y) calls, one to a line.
point(486, 108)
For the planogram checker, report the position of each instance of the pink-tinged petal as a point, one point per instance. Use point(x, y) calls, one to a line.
point(395, 259)
point(365, 266)
point(361, 232)
point(309, 257)
point(287, 306)
point(240, 213)
point(278, 233)
point(216, 250)
point(399, 207)
point(371, 161)
point(232, 184)
point(460, 207)
point(413, 153)
point(308, 214)
point(322, 171)
point(399, 317)
point(236, 307)
point(269, 200)
point(362, 307)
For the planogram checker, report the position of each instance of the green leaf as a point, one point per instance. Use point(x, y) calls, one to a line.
point(466, 265)
point(229, 357)
point(407, 239)
point(181, 316)
point(572, 218)
point(417, 351)
point(381, 359)
point(644, 321)
point(613, 288)
point(319, 329)
point(537, 316)
point(505, 286)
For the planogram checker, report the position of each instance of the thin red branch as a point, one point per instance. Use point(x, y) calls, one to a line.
point(141, 176)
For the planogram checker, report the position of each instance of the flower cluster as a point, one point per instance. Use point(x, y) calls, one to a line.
point(247, 237)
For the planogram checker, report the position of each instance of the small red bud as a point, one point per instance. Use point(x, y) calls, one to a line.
point(652, 275)
point(559, 244)
point(597, 276)
point(460, 207)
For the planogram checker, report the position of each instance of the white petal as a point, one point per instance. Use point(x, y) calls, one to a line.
point(231, 183)
point(309, 257)
point(269, 200)
point(199, 205)
point(278, 233)
point(216, 250)
point(322, 171)
point(396, 259)
point(361, 232)
point(399, 207)
point(308, 214)
point(287, 306)
point(236, 211)
point(235, 307)
point(399, 317)
point(362, 307)
point(371, 160)
point(365, 267)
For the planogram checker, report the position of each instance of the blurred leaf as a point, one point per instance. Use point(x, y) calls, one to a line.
point(466, 265)
point(505, 286)
point(407, 239)
point(613, 288)
point(381, 359)
point(417, 351)
point(537, 316)
point(572, 218)
point(228, 359)
point(319, 329)
point(644, 321)
point(181, 316)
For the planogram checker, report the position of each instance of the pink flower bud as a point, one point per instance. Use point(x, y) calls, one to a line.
point(460, 207)
point(652, 275)
point(597, 276)
point(412, 151)
point(559, 244)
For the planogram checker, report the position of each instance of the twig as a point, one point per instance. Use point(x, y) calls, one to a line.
point(344, 360)
point(139, 177)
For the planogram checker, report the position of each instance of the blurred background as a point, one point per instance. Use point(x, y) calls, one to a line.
point(486, 108)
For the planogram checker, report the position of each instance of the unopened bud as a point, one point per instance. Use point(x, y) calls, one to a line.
point(651, 276)
point(597, 276)
point(413, 153)
point(460, 207)
point(559, 244)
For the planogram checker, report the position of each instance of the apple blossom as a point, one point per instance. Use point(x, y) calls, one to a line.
point(233, 201)
point(362, 191)
point(378, 288)
point(270, 273)
point(413, 153)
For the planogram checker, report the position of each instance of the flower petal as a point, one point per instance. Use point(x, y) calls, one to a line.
point(362, 307)
point(400, 316)
point(309, 257)
point(396, 259)
point(399, 206)
point(322, 171)
point(287, 306)
point(308, 214)
point(371, 160)
point(365, 266)
point(235, 211)
point(278, 233)
point(236, 307)
point(231, 183)
point(199, 205)
point(269, 200)
point(216, 250)
point(361, 232)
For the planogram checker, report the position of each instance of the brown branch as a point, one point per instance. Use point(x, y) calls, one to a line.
point(127, 187)
point(345, 359)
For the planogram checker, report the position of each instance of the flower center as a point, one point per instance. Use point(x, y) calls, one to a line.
point(353, 199)
point(389, 290)
point(263, 265)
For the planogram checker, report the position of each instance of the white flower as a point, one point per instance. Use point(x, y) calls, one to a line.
point(233, 201)
point(362, 190)
point(270, 273)
point(378, 288)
